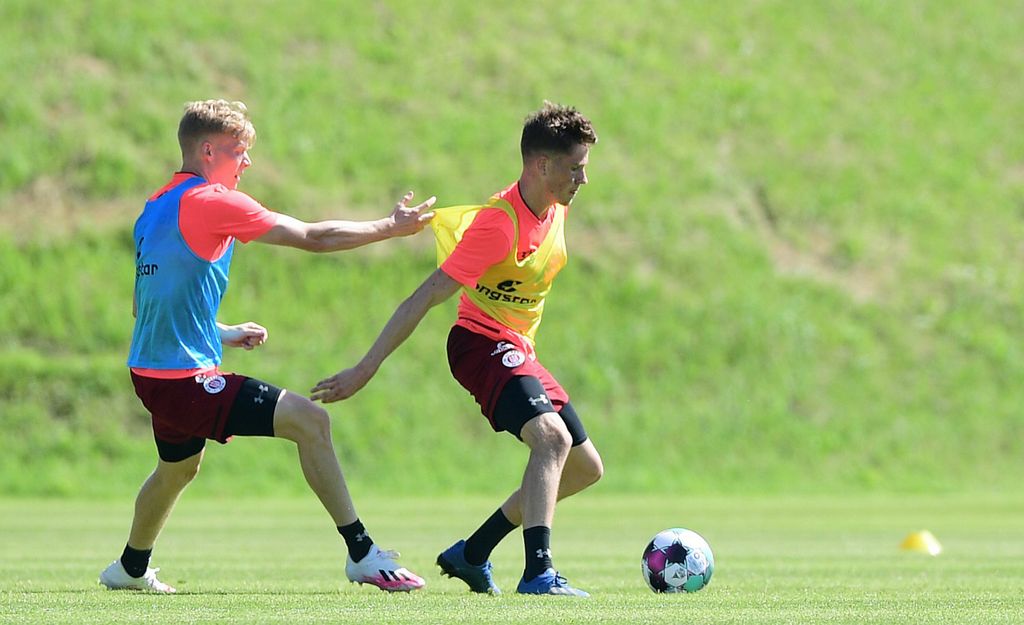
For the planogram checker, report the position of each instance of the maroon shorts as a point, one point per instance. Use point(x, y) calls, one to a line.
point(483, 366)
point(188, 408)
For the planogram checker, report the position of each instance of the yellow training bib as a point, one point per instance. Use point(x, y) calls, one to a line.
point(512, 291)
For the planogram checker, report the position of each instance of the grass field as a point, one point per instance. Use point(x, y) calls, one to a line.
point(796, 269)
point(779, 560)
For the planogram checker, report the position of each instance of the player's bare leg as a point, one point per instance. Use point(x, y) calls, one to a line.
point(153, 506)
point(309, 427)
point(298, 419)
point(157, 497)
point(549, 444)
point(582, 469)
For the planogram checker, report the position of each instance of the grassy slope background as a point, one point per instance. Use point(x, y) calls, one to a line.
point(797, 265)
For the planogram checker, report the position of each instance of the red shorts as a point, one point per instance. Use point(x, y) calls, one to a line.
point(484, 365)
point(187, 408)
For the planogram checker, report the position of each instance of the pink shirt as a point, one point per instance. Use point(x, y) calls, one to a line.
point(210, 217)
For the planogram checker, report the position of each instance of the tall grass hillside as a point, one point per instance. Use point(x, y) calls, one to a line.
point(797, 265)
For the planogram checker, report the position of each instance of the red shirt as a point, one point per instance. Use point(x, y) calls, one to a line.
point(211, 216)
point(486, 242)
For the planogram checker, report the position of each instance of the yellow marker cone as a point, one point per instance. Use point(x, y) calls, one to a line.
point(923, 541)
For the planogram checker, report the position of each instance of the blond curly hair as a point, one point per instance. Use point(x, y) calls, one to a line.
point(205, 117)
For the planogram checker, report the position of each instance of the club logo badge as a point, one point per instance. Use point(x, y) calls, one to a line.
point(214, 384)
point(513, 358)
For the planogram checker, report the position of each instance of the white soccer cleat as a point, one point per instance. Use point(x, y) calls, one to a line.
point(380, 569)
point(115, 577)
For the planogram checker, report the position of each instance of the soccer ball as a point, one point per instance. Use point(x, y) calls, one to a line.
point(677, 560)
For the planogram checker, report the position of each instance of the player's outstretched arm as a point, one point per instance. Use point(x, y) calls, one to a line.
point(336, 235)
point(346, 383)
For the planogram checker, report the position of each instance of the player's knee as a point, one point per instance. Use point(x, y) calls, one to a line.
point(190, 474)
point(548, 431)
point(594, 470)
point(586, 467)
point(300, 420)
point(178, 474)
point(315, 424)
point(320, 421)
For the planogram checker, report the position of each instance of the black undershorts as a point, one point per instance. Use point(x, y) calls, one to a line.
point(524, 398)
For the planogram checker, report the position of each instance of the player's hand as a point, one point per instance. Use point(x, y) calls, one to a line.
point(341, 385)
point(407, 219)
point(246, 335)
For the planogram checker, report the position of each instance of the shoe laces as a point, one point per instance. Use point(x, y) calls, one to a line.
point(387, 554)
point(390, 554)
point(150, 577)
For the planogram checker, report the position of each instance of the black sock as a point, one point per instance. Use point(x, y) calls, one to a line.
point(357, 540)
point(537, 541)
point(483, 541)
point(135, 561)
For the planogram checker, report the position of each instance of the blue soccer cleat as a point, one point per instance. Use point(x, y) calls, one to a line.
point(549, 583)
point(478, 576)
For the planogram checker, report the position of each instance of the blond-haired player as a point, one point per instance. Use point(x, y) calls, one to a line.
point(184, 241)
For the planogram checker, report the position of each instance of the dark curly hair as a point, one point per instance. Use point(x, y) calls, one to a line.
point(555, 128)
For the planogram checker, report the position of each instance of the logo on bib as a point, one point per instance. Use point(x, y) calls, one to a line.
point(214, 384)
point(503, 346)
point(513, 358)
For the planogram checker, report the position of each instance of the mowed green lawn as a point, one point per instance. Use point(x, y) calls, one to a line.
point(779, 560)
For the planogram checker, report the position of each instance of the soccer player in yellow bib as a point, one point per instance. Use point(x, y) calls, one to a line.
point(504, 256)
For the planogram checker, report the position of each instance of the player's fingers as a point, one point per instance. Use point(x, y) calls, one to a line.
point(329, 398)
point(255, 330)
point(402, 203)
point(425, 217)
point(319, 395)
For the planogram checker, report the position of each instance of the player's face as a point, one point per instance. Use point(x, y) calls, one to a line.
point(227, 157)
point(566, 173)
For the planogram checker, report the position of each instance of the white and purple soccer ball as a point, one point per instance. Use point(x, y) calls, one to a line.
point(677, 560)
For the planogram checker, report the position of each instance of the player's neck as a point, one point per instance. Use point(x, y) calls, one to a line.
point(188, 167)
point(535, 197)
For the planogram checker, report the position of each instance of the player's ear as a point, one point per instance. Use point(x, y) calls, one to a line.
point(541, 162)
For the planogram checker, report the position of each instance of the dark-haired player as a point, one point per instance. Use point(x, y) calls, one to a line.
point(504, 256)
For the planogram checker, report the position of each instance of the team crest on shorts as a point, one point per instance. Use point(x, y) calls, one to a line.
point(214, 384)
point(513, 358)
